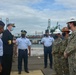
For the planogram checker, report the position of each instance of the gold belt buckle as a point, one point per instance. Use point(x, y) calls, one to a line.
point(9, 41)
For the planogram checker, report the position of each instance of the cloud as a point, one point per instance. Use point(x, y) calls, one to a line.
point(20, 1)
point(32, 19)
point(67, 3)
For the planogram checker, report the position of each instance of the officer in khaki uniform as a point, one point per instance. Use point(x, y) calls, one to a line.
point(8, 42)
point(70, 51)
point(55, 53)
point(63, 45)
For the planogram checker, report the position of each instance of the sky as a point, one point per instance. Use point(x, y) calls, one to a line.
point(33, 15)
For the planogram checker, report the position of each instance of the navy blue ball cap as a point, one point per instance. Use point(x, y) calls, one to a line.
point(2, 23)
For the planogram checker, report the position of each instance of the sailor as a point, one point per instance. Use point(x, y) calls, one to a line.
point(63, 44)
point(24, 47)
point(47, 43)
point(8, 42)
point(70, 51)
point(55, 53)
point(1, 44)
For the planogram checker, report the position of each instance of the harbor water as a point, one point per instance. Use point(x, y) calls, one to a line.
point(36, 50)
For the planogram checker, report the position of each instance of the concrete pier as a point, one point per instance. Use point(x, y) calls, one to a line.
point(35, 64)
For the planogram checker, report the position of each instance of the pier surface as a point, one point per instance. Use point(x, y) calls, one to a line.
point(35, 65)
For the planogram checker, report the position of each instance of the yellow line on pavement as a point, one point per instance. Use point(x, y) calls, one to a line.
point(34, 72)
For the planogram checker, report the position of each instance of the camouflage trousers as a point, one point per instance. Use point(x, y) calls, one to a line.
point(64, 66)
point(72, 64)
point(56, 65)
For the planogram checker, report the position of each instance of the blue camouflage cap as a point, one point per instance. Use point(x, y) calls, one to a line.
point(2, 23)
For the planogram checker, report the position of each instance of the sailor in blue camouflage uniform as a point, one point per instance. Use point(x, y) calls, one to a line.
point(24, 47)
